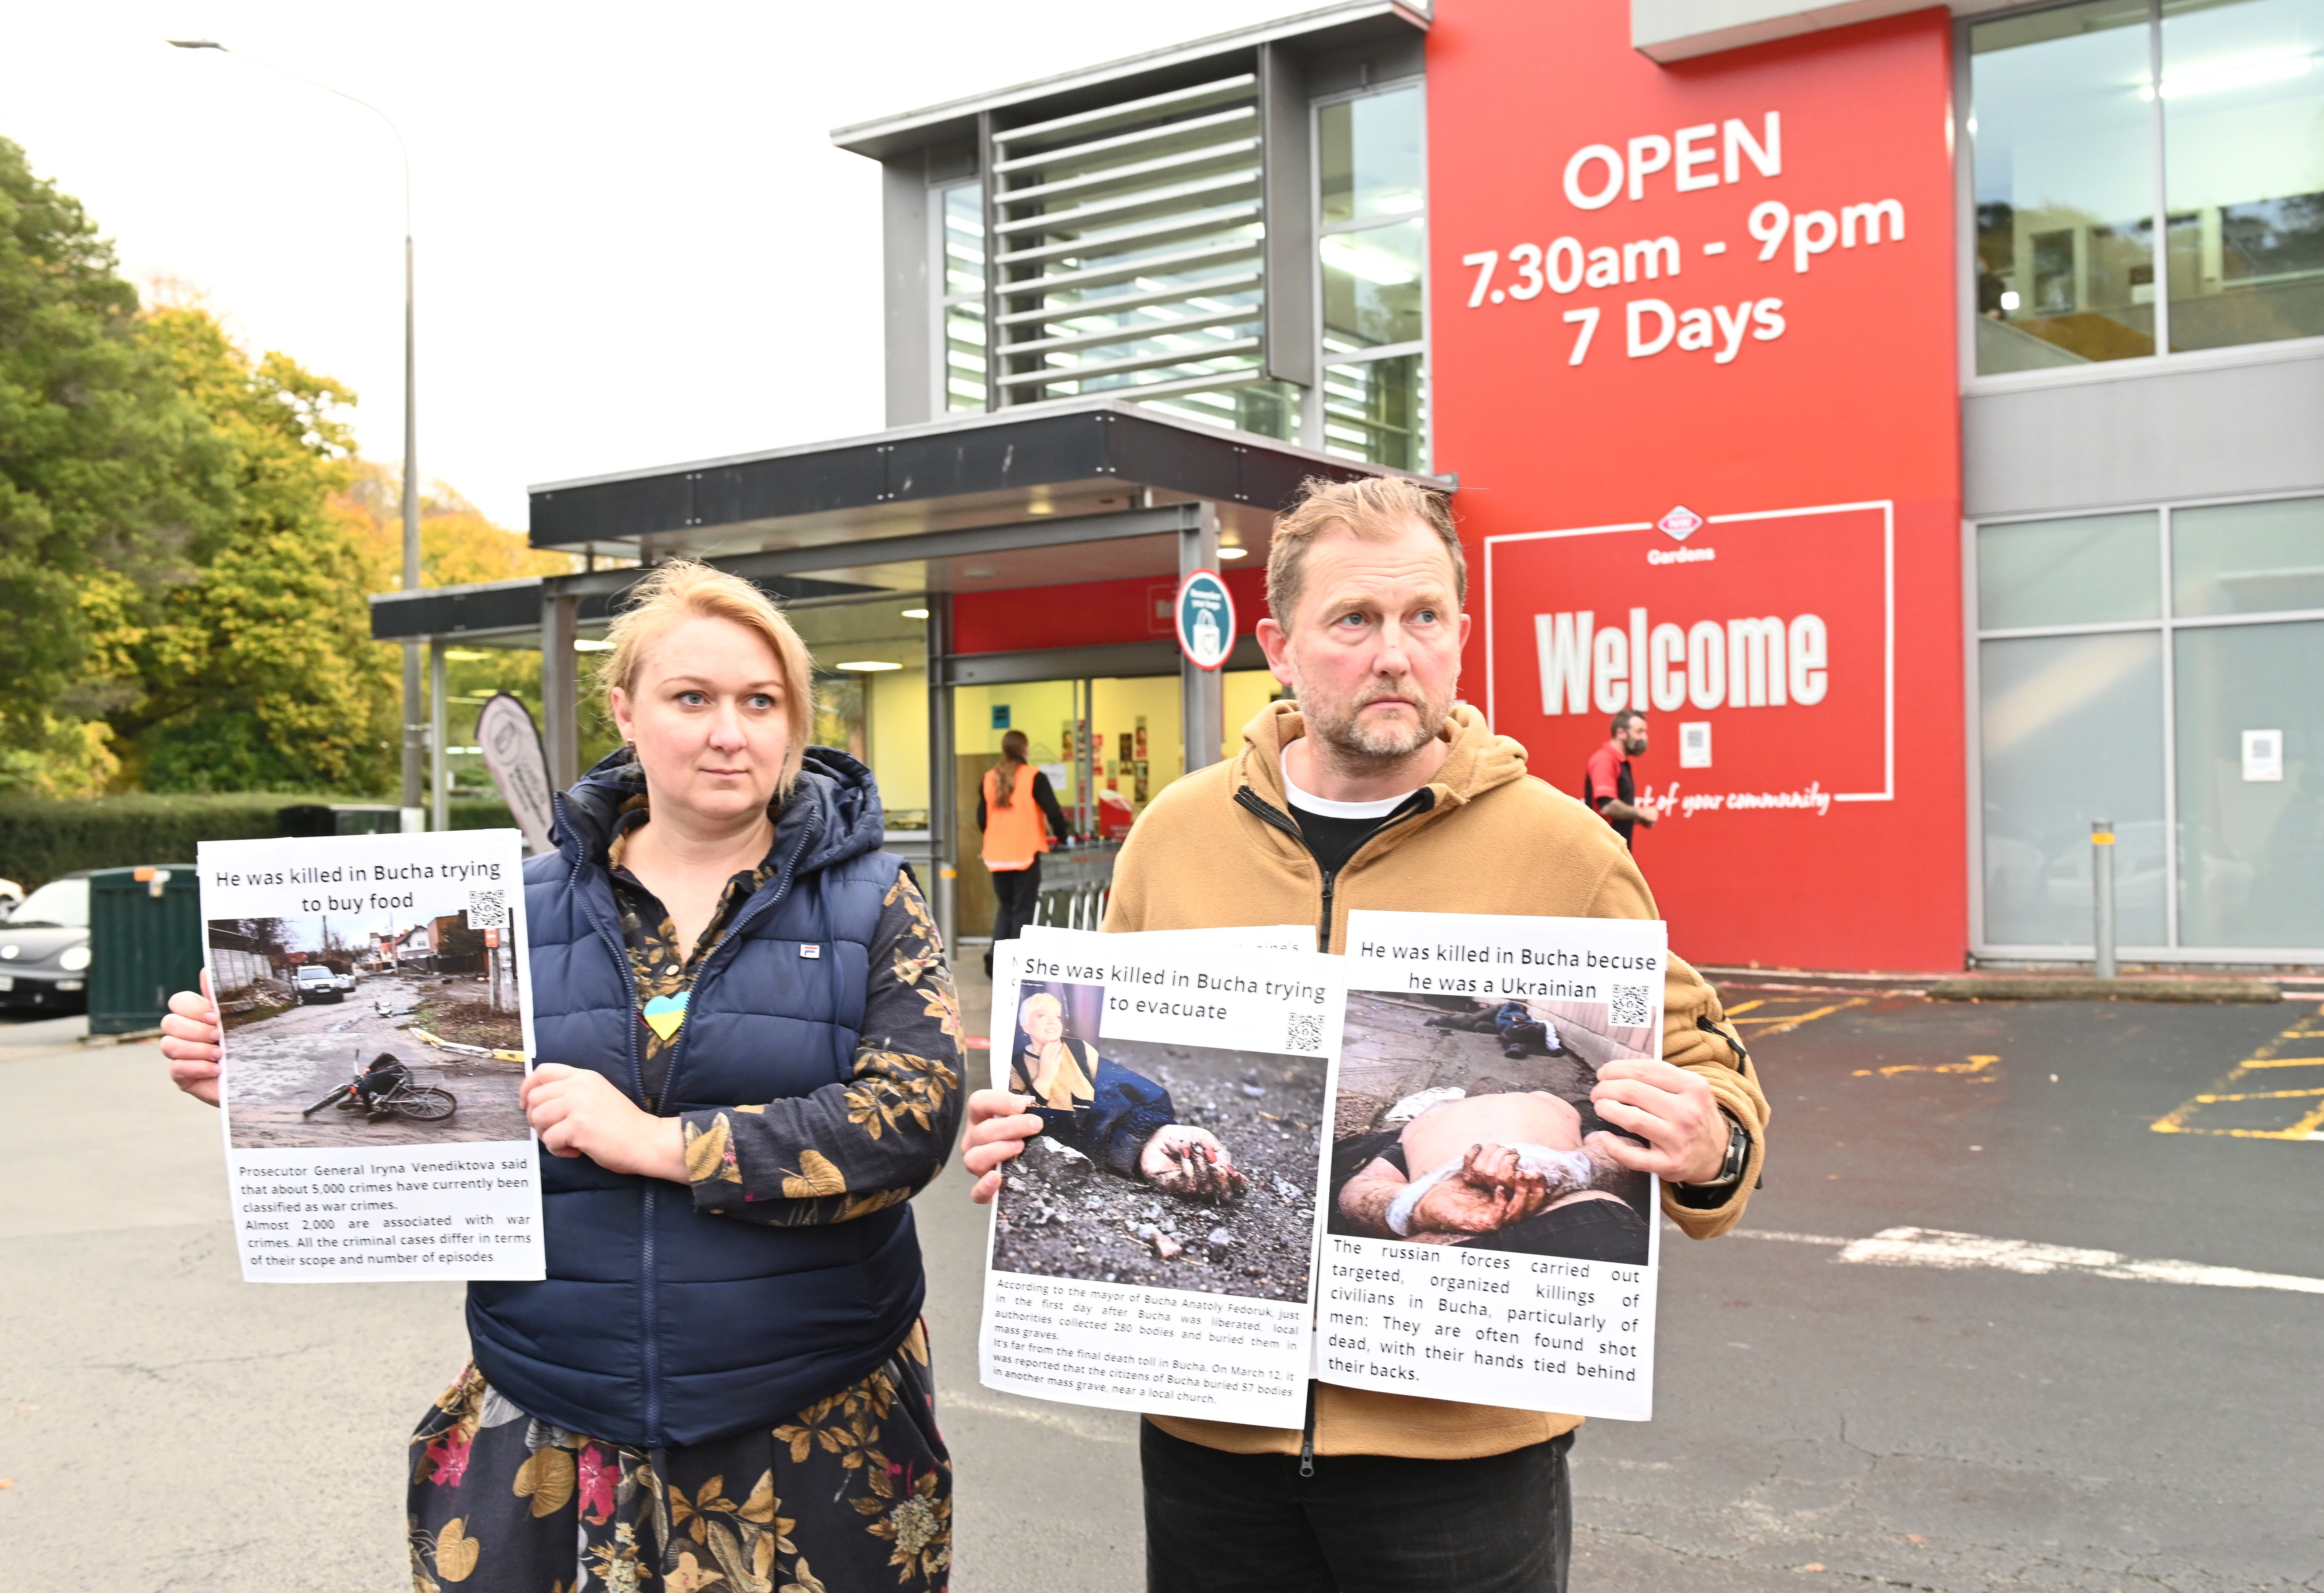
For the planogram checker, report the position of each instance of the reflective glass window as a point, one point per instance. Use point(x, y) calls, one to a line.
point(960, 298)
point(963, 352)
point(2065, 187)
point(964, 240)
point(2242, 120)
point(1368, 153)
point(2086, 570)
point(2251, 860)
point(1372, 286)
point(2247, 558)
point(2071, 731)
point(1378, 411)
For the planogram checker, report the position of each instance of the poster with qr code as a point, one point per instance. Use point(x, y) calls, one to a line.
point(1484, 1240)
point(1154, 1246)
point(376, 1010)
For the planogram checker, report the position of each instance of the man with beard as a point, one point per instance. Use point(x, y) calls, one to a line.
point(1376, 789)
point(1607, 784)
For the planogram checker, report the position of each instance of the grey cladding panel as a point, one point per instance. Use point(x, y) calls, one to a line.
point(2163, 437)
point(610, 511)
point(1170, 457)
point(809, 483)
point(1031, 453)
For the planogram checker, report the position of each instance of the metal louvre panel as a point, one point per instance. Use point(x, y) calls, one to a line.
point(1198, 160)
point(1176, 102)
point(1144, 142)
point(1114, 331)
point(1115, 304)
point(1168, 357)
point(1123, 243)
point(1062, 284)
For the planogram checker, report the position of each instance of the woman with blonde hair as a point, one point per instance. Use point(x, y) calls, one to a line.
point(750, 1062)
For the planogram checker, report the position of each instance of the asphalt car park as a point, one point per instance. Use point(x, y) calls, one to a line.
point(2027, 1303)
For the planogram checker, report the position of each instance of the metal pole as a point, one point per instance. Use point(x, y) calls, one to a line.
point(415, 729)
point(411, 519)
point(439, 802)
point(1202, 712)
point(560, 689)
point(2102, 893)
point(944, 844)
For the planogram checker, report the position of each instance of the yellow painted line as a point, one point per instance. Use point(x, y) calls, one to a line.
point(1784, 1025)
point(1970, 1065)
point(1746, 1008)
point(2175, 1121)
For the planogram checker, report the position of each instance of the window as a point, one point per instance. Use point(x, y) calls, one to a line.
point(1126, 241)
point(959, 215)
point(2157, 669)
point(2070, 107)
point(1372, 263)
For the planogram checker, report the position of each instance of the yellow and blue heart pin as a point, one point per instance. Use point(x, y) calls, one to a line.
point(664, 1014)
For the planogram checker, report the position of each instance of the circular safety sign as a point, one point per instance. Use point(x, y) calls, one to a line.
point(1206, 619)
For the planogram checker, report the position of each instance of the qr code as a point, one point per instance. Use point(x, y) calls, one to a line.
point(1306, 1032)
point(487, 909)
point(1633, 1008)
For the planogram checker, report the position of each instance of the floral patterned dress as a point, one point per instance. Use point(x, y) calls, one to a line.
point(854, 1492)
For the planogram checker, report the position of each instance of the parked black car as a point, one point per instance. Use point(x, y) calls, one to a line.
point(45, 949)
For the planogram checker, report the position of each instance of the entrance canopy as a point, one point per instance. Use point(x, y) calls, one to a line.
point(1026, 546)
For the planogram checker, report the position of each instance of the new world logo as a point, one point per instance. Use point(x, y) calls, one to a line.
point(1680, 523)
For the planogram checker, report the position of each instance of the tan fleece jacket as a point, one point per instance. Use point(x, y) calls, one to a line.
point(1494, 839)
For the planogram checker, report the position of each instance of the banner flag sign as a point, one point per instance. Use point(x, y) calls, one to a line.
point(377, 1006)
point(519, 766)
point(1380, 1170)
point(1206, 619)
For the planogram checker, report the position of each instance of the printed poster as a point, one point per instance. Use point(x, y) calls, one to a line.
point(1481, 1244)
point(1154, 1247)
point(378, 1024)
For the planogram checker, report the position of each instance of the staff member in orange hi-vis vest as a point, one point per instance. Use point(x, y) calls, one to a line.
point(1018, 813)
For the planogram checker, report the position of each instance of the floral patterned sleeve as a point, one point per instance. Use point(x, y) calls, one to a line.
point(850, 1149)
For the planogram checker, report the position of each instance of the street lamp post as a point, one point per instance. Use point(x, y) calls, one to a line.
point(415, 726)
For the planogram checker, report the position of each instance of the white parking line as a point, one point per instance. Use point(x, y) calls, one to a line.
point(1937, 1247)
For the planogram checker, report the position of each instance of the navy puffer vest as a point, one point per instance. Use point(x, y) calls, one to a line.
point(657, 1325)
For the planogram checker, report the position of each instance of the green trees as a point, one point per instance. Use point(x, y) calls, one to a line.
point(186, 541)
point(107, 474)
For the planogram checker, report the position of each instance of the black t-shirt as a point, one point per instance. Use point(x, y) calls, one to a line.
point(1334, 840)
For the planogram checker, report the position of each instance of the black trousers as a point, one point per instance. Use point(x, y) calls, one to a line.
point(1016, 896)
point(1362, 1524)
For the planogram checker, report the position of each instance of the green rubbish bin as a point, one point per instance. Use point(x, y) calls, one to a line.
point(145, 941)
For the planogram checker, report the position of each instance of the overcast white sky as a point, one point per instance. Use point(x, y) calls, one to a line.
point(635, 244)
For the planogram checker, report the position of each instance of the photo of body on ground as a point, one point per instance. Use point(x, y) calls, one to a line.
point(394, 1027)
point(1176, 1166)
point(1462, 1122)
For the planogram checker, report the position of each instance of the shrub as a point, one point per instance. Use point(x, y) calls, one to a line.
point(41, 839)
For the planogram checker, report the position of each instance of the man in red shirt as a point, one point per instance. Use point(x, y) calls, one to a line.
point(1605, 783)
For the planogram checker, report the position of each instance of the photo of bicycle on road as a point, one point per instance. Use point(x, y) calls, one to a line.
point(383, 1026)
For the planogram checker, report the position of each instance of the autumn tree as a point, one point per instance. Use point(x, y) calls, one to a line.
point(257, 671)
point(105, 471)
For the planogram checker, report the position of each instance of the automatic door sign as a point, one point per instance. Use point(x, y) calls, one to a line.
point(1207, 620)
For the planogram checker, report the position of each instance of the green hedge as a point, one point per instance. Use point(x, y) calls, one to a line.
point(40, 840)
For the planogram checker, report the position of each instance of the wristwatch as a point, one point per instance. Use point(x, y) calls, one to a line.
point(1739, 1155)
